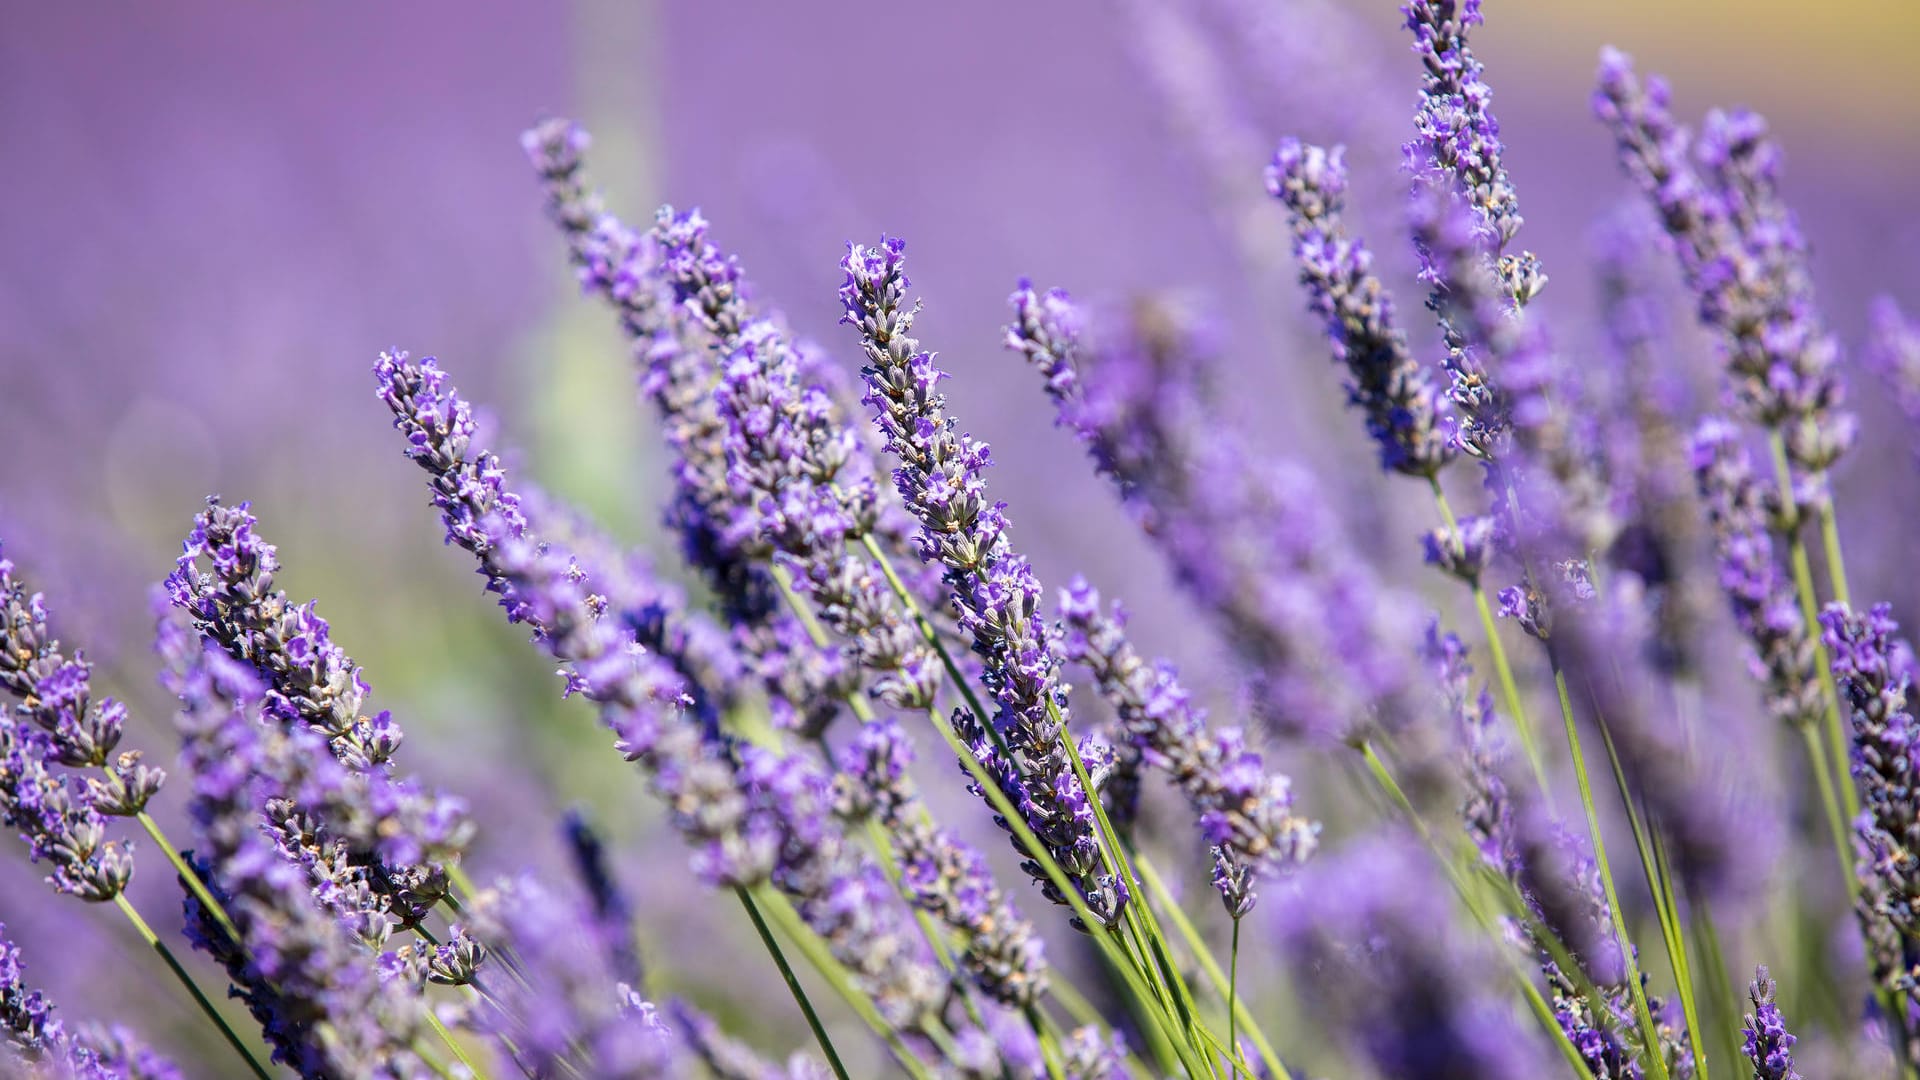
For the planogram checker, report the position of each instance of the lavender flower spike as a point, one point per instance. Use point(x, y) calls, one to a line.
point(1404, 413)
point(313, 682)
point(315, 992)
point(1458, 139)
point(1769, 1046)
point(1245, 813)
point(1893, 354)
point(1780, 644)
point(942, 875)
point(1743, 255)
point(1875, 671)
point(31, 1035)
point(941, 480)
point(56, 730)
point(56, 695)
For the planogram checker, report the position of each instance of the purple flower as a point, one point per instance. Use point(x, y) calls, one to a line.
point(1246, 811)
point(1254, 541)
point(28, 1029)
point(1769, 1046)
point(312, 683)
point(1893, 354)
point(1404, 414)
point(1393, 980)
point(1780, 644)
point(993, 589)
point(1744, 257)
point(1875, 668)
point(307, 978)
point(567, 1011)
point(55, 696)
point(1458, 138)
point(943, 876)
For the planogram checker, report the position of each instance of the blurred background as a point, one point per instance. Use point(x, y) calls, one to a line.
point(216, 215)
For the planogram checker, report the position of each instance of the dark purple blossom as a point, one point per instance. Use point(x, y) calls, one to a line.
point(993, 589)
point(1404, 414)
point(1874, 668)
point(30, 1033)
point(321, 1002)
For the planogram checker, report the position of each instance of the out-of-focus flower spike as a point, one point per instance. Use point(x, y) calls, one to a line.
point(612, 914)
point(1254, 541)
point(1893, 354)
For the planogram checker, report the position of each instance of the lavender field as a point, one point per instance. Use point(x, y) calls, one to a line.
point(1218, 538)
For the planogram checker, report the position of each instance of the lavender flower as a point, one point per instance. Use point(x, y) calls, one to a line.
point(467, 487)
point(62, 729)
point(1780, 644)
point(567, 1012)
point(1404, 414)
point(942, 875)
point(1392, 980)
point(1769, 1046)
point(993, 588)
point(1743, 256)
point(1875, 671)
point(1457, 136)
point(1252, 540)
point(316, 994)
point(750, 813)
point(809, 487)
point(30, 1031)
point(1893, 354)
point(311, 681)
point(1245, 812)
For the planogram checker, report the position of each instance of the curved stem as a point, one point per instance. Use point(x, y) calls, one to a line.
point(173, 964)
point(793, 983)
point(1649, 1034)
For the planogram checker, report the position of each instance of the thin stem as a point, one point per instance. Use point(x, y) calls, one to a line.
point(793, 983)
point(1648, 1032)
point(446, 1036)
point(1502, 668)
point(1835, 726)
point(188, 877)
point(1836, 565)
point(1233, 990)
point(1222, 983)
point(173, 964)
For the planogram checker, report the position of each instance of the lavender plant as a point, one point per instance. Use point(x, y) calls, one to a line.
point(848, 591)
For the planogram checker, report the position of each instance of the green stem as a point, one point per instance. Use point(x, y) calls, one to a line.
point(173, 964)
point(1836, 565)
point(1222, 983)
point(1233, 991)
point(793, 983)
point(1648, 1032)
point(187, 876)
point(1502, 668)
point(446, 1036)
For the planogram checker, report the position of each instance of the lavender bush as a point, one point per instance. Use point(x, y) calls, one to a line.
point(1516, 814)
